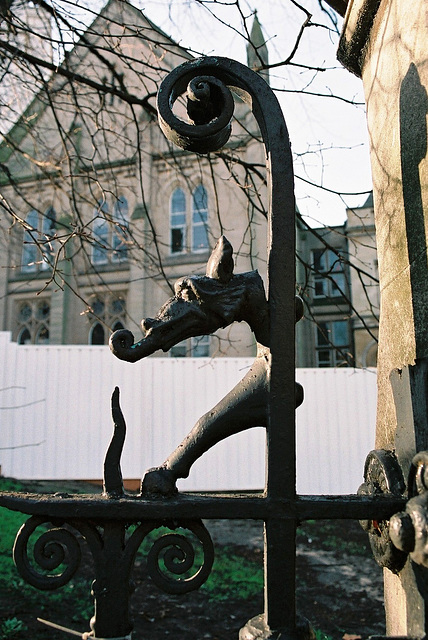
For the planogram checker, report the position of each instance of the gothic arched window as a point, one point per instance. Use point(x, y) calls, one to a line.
point(32, 319)
point(178, 221)
point(100, 230)
point(38, 237)
point(97, 334)
point(200, 219)
point(120, 229)
point(107, 314)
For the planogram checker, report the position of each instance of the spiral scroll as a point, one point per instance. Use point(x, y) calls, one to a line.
point(173, 555)
point(207, 83)
point(209, 105)
point(56, 548)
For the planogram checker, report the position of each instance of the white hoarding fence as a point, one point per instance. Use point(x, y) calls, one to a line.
point(55, 419)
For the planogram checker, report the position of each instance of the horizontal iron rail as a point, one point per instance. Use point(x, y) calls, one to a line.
point(229, 506)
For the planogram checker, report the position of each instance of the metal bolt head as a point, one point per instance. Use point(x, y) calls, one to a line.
point(401, 532)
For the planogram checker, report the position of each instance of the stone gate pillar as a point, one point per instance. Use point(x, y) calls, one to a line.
point(386, 43)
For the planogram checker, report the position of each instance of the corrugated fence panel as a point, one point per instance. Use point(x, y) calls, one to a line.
point(335, 429)
point(55, 418)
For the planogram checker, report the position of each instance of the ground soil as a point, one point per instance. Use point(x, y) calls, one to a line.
point(339, 591)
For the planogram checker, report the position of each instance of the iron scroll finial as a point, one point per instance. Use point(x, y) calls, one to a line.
point(210, 108)
point(207, 84)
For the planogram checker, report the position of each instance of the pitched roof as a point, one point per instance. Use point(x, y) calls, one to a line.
point(369, 202)
point(68, 68)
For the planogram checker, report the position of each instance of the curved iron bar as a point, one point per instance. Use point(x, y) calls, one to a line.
point(53, 548)
point(179, 558)
point(207, 135)
point(58, 546)
point(113, 483)
point(208, 83)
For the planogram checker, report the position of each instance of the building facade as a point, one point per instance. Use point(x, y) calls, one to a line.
point(104, 215)
point(337, 279)
point(364, 283)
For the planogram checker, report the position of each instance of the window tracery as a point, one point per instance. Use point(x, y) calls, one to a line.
point(32, 322)
point(38, 240)
point(107, 314)
point(110, 233)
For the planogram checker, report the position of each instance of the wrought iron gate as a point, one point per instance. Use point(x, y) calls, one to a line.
point(115, 524)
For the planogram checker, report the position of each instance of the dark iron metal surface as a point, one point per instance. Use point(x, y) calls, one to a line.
point(209, 506)
point(215, 78)
point(113, 482)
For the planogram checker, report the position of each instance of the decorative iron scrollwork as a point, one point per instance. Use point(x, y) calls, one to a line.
point(176, 562)
point(406, 533)
point(177, 555)
point(56, 548)
point(210, 107)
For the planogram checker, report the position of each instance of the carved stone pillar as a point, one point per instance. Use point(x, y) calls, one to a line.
point(385, 43)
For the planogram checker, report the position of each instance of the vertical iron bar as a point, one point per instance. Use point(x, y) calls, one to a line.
point(111, 587)
point(280, 609)
point(280, 546)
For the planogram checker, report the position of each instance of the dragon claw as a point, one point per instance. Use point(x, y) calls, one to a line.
point(158, 482)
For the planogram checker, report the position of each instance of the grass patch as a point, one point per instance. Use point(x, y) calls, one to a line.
point(233, 577)
point(11, 522)
point(10, 627)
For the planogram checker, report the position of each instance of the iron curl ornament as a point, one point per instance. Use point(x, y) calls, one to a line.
point(173, 555)
point(172, 560)
point(176, 562)
point(210, 107)
point(207, 84)
point(57, 547)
